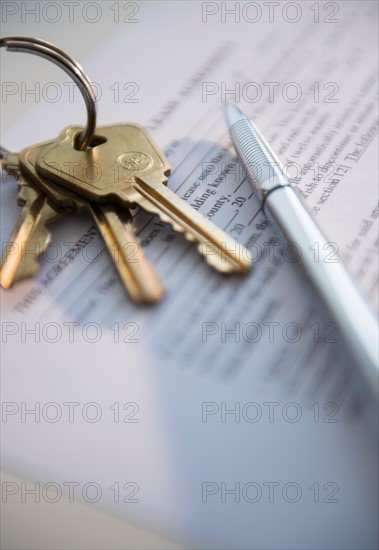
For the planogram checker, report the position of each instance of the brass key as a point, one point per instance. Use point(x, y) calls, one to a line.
point(30, 236)
point(126, 166)
point(114, 224)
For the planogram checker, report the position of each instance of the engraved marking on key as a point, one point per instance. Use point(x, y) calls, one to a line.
point(114, 224)
point(30, 237)
point(135, 161)
point(143, 186)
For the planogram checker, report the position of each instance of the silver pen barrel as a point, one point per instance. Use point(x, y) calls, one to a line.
point(356, 323)
point(259, 160)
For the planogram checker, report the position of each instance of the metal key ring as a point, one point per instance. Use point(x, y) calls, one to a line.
point(49, 51)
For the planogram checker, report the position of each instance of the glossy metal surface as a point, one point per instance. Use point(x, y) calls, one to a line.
point(337, 291)
point(51, 52)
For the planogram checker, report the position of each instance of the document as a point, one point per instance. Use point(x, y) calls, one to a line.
point(229, 415)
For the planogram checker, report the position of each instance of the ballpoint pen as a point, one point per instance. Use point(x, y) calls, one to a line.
point(280, 202)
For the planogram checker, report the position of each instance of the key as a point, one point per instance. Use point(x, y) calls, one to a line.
point(30, 236)
point(126, 166)
point(114, 223)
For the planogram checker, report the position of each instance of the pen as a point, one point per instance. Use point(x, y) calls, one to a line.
point(331, 281)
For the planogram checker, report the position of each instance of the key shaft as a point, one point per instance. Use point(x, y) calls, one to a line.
point(30, 235)
point(219, 250)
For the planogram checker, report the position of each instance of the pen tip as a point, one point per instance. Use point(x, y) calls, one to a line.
point(232, 114)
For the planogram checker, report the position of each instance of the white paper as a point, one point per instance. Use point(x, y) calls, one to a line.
point(300, 427)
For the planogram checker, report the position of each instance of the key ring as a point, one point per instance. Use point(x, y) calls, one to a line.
point(49, 51)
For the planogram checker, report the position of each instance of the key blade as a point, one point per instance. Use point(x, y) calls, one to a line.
point(138, 276)
point(11, 261)
point(29, 238)
point(219, 250)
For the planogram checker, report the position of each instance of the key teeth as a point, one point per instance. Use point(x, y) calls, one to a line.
point(215, 259)
point(176, 227)
point(26, 193)
point(30, 268)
